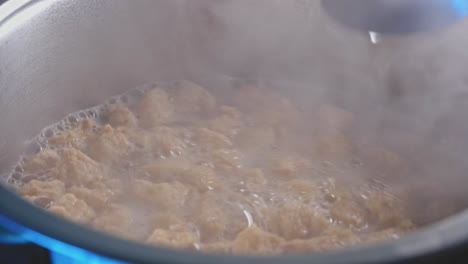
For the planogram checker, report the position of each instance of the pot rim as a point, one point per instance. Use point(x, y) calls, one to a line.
point(34, 224)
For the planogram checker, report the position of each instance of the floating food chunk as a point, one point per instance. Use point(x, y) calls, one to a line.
point(164, 195)
point(76, 138)
point(382, 162)
point(155, 108)
point(384, 211)
point(42, 193)
point(110, 145)
point(208, 138)
point(177, 236)
point(191, 97)
point(253, 240)
point(210, 219)
point(267, 107)
point(226, 158)
point(253, 176)
point(165, 220)
point(256, 138)
point(42, 161)
point(202, 177)
point(167, 142)
point(294, 221)
point(333, 119)
point(332, 239)
point(168, 169)
point(223, 247)
point(72, 208)
point(117, 220)
point(120, 115)
point(334, 146)
point(387, 234)
point(52, 189)
point(228, 122)
point(305, 190)
point(76, 167)
point(280, 113)
point(347, 211)
point(290, 166)
point(97, 197)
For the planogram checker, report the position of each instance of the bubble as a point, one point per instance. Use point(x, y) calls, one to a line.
point(137, 93)
point(29, 177)
point(16, 175)
point(72, 119)
point(248, 217)
point(91, 114)
point(19, 168)
point(124, 99)
point(330, 197)
point(33, 148)
point(11, 181)
point(48, 133)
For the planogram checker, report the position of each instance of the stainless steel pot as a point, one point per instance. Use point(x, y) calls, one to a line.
point(58, 56)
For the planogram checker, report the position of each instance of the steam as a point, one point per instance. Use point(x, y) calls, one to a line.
point(410, 93)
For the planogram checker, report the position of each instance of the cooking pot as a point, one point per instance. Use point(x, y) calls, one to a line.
point(410, 93)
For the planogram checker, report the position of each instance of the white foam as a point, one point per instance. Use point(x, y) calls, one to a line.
point(97, 113)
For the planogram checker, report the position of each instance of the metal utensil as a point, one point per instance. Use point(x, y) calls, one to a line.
point(396, 16)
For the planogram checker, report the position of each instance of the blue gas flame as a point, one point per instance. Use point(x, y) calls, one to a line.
point(60, 252)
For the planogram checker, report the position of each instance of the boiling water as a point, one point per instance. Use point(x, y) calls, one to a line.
point(304, 184)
